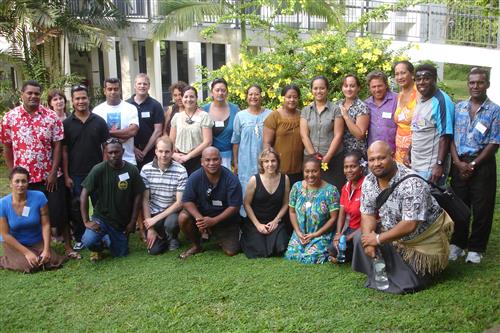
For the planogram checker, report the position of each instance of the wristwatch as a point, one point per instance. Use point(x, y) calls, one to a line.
point(439, 162)
point(473, 163)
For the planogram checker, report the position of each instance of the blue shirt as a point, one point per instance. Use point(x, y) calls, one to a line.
point(25, 228)
point(223, 140)
point(473, 136)
point(213, 200)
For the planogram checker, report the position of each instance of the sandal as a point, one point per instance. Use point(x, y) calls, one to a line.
point(73, 255)
point(190, 252)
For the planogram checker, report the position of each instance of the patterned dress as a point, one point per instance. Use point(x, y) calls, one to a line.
point(313, 209)
point(358, 108)
point(402, 117)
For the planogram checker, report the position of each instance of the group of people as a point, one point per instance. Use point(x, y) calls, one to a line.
point(288, 182)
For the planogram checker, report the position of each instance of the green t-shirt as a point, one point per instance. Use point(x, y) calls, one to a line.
point(116, 189)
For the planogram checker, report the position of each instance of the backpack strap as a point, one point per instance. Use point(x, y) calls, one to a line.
point(384, 195)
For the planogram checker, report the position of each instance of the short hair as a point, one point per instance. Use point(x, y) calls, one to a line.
point(356, 154)
point(144, 76)
point(311, 159)
point(254, 86)
point(376, 74)
point(187, 88)
point(290, 87)
point(481, 71)
point(112, 80)
point(409, 66)
point(112, 141)
point(32, 83)
point(266, 152)
point(427, 67)
point(166, 140)
point(217, 81)
point(356, 79)
point(179, 85)
point(320, 77)
point(52, 94)
point(19, 170)
point(79, 87)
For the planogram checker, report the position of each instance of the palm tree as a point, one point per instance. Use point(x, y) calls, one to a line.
point(181, 15)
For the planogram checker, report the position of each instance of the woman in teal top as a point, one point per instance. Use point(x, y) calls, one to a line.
point(25, 227)
point(314, 206)
point(222, 113)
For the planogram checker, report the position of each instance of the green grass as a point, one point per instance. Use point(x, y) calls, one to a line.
point(457, 89)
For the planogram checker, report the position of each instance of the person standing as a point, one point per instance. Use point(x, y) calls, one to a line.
point(473, 173)
point(84, 137)
point(119, 188)
point(120, 116)
point(382, 104)
point(165, 181)
point(176, 104)
point(322, 130)
point(151, 119)
point(432, 127)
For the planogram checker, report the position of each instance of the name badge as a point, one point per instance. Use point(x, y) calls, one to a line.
point(219, 123)
point(421, 122)
point(124, 176)
point(217, 203)
point(26, 211)
point(145, 114)
point(480, 127)
point(401, 116)
point(386, 115)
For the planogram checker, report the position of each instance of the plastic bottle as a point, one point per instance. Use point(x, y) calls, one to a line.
point(342, 249)
point(381, 280)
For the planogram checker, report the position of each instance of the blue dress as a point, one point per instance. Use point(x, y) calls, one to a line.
point(310, 218)
point(247, 132)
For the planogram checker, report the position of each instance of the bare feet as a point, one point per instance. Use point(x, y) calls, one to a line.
point(190, 252)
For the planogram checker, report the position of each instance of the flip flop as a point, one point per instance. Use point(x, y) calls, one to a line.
point(190, 252)
point(73, 255)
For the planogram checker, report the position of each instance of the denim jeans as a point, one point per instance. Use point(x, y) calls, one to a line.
point(116, 240)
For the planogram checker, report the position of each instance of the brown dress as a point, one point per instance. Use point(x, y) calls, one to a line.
point(287, 142)
point(15, 260)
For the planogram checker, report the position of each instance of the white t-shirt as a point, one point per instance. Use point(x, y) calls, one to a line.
point(119, 117)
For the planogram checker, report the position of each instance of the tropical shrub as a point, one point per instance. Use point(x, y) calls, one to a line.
point(294, 60)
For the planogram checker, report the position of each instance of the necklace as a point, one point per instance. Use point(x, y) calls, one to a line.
point(189, 121)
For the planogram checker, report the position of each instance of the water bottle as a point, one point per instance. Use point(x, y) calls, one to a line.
point(381, 280)
point(342, 249)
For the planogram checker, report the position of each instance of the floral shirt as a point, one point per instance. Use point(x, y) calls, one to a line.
point(358, 108)
point(410, 201)
point(31, 137)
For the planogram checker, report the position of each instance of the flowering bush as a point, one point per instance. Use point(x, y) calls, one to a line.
point(297, 61)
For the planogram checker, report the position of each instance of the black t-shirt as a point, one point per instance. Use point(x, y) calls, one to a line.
point(84, 142)
point(150, 112)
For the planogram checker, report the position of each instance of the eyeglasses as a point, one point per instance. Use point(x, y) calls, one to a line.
point(78, 87)
point(112, 141)
point(209, 193)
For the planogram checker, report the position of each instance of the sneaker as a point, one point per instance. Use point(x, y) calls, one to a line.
point(474, 257)
point(78, 246)
point(95, 256)
point(455, 252)
point(174, 244)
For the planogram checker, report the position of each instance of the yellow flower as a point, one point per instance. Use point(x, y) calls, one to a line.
point(377, 52)
point(242, 96)
point(343, 51)
point(335, 69)
point(287, 81)
point(320, 67)
point(366, 56)
point(386, 67)
point(324, 166)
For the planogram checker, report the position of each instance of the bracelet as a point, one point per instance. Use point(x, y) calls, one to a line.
point(378, 239)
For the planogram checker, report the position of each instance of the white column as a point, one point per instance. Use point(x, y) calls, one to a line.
point(109, 59)
point(128, 69)
point(174, 75)
point(65, 61)
point(210, 56)
point(494, 90)
point(194, 60)
point(94, 63)
point(153, 63)
point(233, 53)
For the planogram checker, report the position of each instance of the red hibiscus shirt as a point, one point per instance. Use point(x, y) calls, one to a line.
point(31, 137)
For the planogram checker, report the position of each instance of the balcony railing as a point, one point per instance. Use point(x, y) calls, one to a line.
point(437, 23)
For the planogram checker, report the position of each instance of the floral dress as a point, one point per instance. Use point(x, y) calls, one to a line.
point(402, 117)
point(313, 209)
point(358, 108)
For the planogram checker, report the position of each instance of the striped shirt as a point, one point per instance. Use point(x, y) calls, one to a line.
point(163, 185)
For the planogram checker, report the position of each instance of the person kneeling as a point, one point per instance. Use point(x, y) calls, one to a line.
point(25, 228)
point(411, 236)
point(119, 188)
point(212, 200)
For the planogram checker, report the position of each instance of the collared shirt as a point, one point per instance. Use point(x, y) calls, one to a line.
point(382, 125)
point(84, 142)
point(350, 143)
point(350, 200)
point(472, 136)
point(410, 201)
point(211, 199)
point(31, 137)
point(150, 113)
point(432, 119)
point(321, 125)
point(163, 185)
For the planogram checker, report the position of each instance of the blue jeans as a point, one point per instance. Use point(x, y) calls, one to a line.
point(116, 240)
